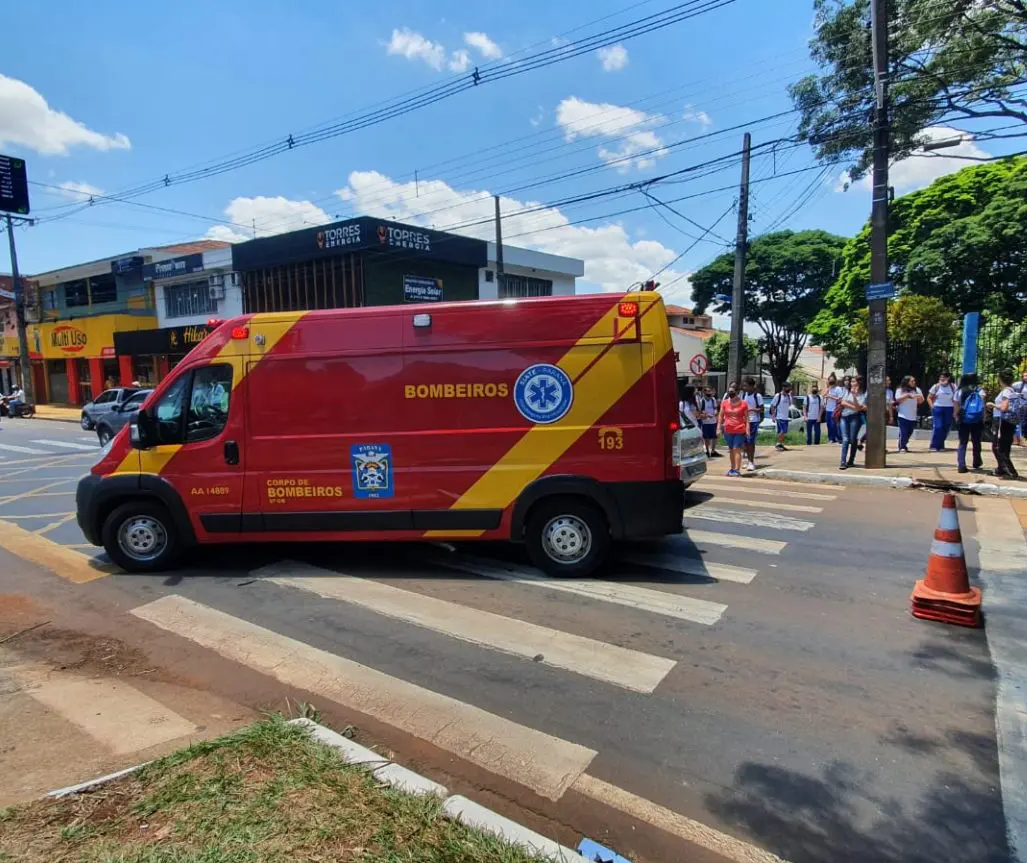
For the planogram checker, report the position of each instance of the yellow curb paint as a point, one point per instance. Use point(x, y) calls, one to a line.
point(666, 819)
point(65, 562)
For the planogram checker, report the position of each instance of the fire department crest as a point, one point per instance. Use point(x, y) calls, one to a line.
point(543, 393)
point(372, 470)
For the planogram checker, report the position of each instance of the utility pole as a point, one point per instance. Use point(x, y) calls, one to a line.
point(19, 313)
point(734, 356)
point(877, 348)
point(500, 276)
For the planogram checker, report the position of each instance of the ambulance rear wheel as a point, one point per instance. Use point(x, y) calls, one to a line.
point(567, 537)
point(140, 536)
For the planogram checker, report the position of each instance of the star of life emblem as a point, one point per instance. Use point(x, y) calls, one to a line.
point(543, 393)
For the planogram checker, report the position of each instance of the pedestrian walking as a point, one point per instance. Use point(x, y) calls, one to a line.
point(1006, 414)
point(854, 406)
point(908, 399)
point(780, 410)
point(968, 414)
point(812, 411)
point(889, 401)
point(1020, 438)
point(835, 393)
point(734, 425)
point(754, 400)
point(941, 398)
point(707, 404)
point(687, 404)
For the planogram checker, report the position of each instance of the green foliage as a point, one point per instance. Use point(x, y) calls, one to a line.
point(963, 240)
point(787, 275)
point(719, 344)
point(950, 60)
point(924, 326)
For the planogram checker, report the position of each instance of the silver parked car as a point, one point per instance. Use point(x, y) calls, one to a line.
point(103, 404)
point(113, 420)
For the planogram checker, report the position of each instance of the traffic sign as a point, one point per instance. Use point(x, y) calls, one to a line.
point(14, 186)
point(699, 365)
point(881, 291)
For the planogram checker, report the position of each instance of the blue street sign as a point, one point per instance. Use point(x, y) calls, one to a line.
point(723, 299)
point(881, 291)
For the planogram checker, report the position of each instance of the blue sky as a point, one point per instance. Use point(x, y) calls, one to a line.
point(109, 95)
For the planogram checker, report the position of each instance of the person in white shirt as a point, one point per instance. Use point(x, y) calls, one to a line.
point(1021, 431)
point(755, 402)
point(908, 399)
point(854, 407)
point(780, 408)
point(889, 401)
point(834, 394)
point(812, 410)
point(942, 399)
point(707, 404)
point(687, 403)
point(1006, 412)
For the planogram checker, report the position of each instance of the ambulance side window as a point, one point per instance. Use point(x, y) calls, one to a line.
point(168, 412)
point(208, 402)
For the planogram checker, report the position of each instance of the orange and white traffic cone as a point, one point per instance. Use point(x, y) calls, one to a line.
point(944, 594)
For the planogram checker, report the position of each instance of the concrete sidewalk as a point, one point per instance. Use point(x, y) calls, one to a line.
point(920, 465)
point(60, 413)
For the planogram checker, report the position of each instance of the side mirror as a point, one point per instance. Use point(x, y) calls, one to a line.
point(141, 430)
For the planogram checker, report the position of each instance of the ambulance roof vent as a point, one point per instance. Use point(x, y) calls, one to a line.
point(422, 320)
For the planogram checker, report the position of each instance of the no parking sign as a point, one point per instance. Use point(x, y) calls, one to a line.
point(699, 365)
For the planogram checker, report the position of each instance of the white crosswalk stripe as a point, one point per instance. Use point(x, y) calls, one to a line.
point(68, 445)
point(24, 450)
point(766, 504)
point(750, 488)
point(543, 763)
point(688, 566)
point(753, 519)
point(643, 599)
point(733, 540)
point(617, 665)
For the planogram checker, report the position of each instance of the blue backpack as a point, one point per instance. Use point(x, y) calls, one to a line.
point(973, 408)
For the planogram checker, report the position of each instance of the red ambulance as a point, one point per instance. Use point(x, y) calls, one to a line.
point(552, 422)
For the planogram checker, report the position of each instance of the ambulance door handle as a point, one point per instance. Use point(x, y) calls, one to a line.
point(231, 452)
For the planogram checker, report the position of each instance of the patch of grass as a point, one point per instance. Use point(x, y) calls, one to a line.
point(793, 438)
point(264, 794)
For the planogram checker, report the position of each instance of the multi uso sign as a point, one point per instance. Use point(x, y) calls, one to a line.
point(355, 235)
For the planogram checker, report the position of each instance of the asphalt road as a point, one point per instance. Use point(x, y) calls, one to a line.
point(759, 674)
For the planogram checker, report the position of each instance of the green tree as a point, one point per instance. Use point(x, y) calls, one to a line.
point(950, 60)
point(719, 344)
point(786, 276)
point(963, 240)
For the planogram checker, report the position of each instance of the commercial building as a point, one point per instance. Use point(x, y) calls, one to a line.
point(367, 262)
point(10, 362)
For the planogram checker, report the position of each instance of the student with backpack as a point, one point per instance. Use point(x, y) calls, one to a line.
point(780, 410)
point(707, 405)
point(1008, 412)
point(812, 409)
point(969, 417)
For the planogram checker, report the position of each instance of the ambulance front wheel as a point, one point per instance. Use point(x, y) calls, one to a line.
point(140, 536)
point(567, 537)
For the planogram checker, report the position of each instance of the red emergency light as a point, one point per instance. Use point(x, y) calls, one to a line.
point(240, 332)
point(627, 310)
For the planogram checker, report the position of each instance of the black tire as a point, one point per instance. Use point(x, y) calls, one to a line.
point(138, 518)
point(104, 435)
point(86, 423)
point(576, 525)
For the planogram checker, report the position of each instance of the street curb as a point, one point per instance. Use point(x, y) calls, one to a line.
point(983, 488)
point(55, 419)
point(396, 776)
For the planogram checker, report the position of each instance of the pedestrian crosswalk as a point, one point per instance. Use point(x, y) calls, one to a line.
point(456, 645)
point(48, 446)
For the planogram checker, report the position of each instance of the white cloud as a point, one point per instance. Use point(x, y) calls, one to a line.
point(76, 191)
point(459, 61)
point(632, 141)
point(614, 57)
point(693, 115)
point(613, 261)
point(267, 216)
point(540, 115)
point(921, 169)
point(413, 46)
point(480, 41)
point(26, 120)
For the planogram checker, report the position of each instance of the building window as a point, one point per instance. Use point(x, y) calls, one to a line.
point(76, 293)
point(490, 276)
point(192, 298)
point(49, 301)
point(524, 286)
point(103, 289)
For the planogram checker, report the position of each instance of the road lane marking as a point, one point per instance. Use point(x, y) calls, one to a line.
point(12, 517)
point(749, 519)
point(110, 711)
point(45, 463)
point(39, 491)
point(25, 450)
point(617, 665)
point(749, 488)
point(763, 504)
point(1003, 576)
point(758, 479)
point(672, 822)
point(688, 565)
point(55, 524)
point(69, 564)
point(545, 764)
point(653, 601)
point(733, 540)
point(68, 445)
point(43, 479)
